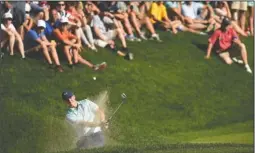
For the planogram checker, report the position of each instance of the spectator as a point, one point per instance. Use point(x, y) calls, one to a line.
point(28, 23)
point(174, 10)
point(9, 34)
point(251, 17)
point(72, 45)
point(36, 40)
point(195, 20)
point(222, 40)
point(239, 13)
point(138, 20)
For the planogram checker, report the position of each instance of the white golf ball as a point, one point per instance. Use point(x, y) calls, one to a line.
point(94, 78)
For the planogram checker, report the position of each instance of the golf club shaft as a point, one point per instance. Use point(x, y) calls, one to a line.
point(116, 110)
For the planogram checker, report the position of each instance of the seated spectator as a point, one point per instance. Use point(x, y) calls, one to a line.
point(35, 40)
point(138, 20)
point(174, 10)
point(28, 23)
point(82, 19)
point(222, 40)
point(160, 19)
point(195, 20)
point(72, 45)
point(9, 34)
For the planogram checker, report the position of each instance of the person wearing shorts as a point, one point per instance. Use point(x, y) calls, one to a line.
point(239, 12)
point(71, 45)
point(223, 40)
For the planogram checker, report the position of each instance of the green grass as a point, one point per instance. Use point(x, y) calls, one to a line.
point(177, 101)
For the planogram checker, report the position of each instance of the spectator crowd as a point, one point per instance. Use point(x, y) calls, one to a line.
point(70, 27)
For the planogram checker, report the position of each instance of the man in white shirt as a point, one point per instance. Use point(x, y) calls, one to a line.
point(194, 20)
point(82, 116)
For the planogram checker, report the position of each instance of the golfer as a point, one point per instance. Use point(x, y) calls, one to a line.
point(82, 115)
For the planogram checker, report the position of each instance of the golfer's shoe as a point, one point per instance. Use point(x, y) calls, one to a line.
point(237, 60)
point(100, 66)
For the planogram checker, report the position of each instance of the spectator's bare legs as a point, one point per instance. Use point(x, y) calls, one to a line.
point(11, 43)
point(54, 54)
point(68, 55)
point(85, 62)
point(238, 29)
point(124, 18)
point(121, 37)
point(251, 16)
point(135, 22)
point(20, 45)
point(89, 35)
point(242, 19)
point(46, 53)
point(149, 25)
point(243, 51)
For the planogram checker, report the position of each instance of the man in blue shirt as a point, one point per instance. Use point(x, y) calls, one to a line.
point(35, 40)
point(82, 116)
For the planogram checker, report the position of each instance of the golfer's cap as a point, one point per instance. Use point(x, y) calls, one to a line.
point(41, 23)
point(7, 15)
point(225, 21)
point(67, 95)
point(64, 19)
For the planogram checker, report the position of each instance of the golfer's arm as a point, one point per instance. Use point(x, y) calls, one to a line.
point(101, 114)
point(209, 49)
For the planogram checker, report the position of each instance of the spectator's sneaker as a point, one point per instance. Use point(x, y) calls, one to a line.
point(248, 69)
point(202, 33)
point(129, 56)
point(93, 48)
point(155, 37)
point(59, 68)
point(51, 66)
point(142, 36)
point(130, 38)
point(137, 39)
point(237, 60)
point(1, 55)
point(100, 66)
point(71, 66)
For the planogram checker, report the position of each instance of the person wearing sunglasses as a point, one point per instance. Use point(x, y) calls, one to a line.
point(35, 40)
point(9, 34)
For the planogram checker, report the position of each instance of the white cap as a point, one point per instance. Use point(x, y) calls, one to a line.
point(27, 7)
point(7, 15)
point(64, 19)
point(41, 23)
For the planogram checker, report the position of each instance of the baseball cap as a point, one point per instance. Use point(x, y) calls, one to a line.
point(66, 95)
point(64, 19)
point(41, 23)
point(7, 15)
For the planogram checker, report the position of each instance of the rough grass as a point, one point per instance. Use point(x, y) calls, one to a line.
point(175, 98)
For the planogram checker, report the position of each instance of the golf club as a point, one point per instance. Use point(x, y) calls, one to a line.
point(123, 96)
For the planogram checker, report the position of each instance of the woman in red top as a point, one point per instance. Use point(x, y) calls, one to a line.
point(223, 40)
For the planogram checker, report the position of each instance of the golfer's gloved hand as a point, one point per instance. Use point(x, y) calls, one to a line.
point(104, 124)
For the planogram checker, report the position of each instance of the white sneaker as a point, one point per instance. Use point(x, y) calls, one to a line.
point(94, 48)
point(155, 36)
point(248, 69)
point(143, 37)
point(237, 60)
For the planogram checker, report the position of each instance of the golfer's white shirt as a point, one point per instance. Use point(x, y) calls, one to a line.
point(86, 111)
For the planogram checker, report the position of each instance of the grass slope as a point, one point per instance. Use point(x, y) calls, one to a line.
point(175, 98)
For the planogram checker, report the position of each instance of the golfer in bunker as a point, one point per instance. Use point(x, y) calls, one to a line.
point(82, 115)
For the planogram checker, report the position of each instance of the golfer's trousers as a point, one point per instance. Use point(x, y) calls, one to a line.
point(91, 141)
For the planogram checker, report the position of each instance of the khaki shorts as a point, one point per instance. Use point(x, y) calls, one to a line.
point(110, 35)
point(239, 6)
point(224, 55)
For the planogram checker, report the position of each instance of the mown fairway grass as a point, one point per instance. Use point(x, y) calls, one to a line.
point(177, 101)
